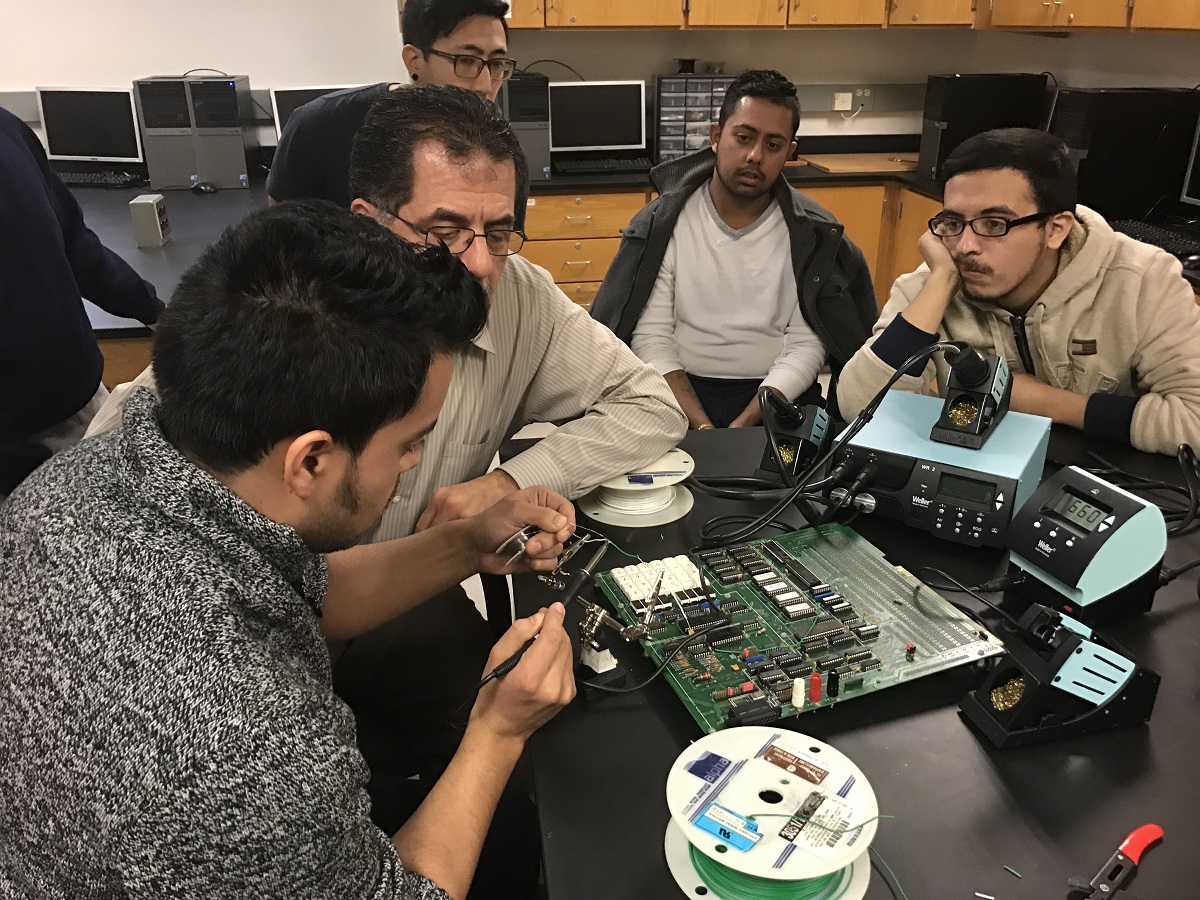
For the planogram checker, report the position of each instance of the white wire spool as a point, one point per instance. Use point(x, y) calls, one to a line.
point(737, 797)
point(646, 498)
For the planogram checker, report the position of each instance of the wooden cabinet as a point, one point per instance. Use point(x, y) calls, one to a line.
point(573, 261)
point(613, 13)
point(1060, 15)
point(527, 14)
point(912, 212)
point(575, 236)
point(1183, 14)
point(931, 12)
point(815, 13)
point(583, 292)
point(861, 209)
point(737, 12)
point(551, 216)
point(1022, 13)
point(124, 359)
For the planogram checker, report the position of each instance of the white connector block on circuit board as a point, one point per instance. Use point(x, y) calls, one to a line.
point(678, 574)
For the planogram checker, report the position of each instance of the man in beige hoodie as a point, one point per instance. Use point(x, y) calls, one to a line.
point(1100, 331)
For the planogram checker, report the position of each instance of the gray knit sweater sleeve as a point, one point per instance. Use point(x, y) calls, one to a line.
point(167, 722)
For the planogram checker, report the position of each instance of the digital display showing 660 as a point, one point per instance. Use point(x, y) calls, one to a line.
point(1074, 510)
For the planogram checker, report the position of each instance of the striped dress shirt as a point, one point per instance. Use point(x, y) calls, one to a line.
point(539, 358)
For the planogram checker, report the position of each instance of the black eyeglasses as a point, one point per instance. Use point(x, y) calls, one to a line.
point(984, 226)
point(467, 66)
point(499, 241)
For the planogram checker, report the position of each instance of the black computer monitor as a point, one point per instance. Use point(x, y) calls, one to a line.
point(90, 124)
point(597, 115)
point(285, 101)
point(1191, 181)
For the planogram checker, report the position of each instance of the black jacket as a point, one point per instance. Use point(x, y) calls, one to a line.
point(50, 365)
point(833, 282)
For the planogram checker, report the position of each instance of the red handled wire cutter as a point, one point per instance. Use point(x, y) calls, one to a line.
point(1119, 869)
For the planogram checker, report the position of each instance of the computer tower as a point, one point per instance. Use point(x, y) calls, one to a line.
point(1131, 146)
point(166, 123)
point(960, 106)
point(224, 132)
point(524, 101)
point(196, 130)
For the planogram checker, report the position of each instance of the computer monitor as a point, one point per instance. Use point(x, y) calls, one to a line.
point(90, 124)
point(1191, 181)
point(285, 101)
point(597, 115)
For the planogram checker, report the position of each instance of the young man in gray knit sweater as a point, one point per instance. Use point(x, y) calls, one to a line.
point(167, 722)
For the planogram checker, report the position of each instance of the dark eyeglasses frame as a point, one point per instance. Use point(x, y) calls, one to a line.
point(500, 69)
point(1009, 223)
point(427, 233)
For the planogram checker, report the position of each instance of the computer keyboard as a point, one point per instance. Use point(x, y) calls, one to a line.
point(621, 166)
point(101, 179)
point(1173, 241)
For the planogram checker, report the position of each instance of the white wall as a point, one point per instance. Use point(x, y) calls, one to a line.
point(295, 42)
point(275, 42)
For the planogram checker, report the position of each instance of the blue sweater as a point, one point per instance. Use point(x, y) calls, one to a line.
point(50, 365)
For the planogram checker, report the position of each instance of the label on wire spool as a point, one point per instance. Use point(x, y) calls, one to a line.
point(812, 810)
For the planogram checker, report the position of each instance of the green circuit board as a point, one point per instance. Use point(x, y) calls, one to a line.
point(799, 622)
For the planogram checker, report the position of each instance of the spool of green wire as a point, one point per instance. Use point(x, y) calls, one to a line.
point(728, 884)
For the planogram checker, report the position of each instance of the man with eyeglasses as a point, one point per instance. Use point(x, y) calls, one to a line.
point(459, 42)
point(1100, 331)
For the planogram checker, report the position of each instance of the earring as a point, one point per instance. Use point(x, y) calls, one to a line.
point(416, 77)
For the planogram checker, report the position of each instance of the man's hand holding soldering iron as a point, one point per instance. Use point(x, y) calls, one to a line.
point(529, 673)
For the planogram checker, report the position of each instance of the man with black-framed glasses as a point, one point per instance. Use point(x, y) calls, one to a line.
point(1100, 331)
point(458, 42)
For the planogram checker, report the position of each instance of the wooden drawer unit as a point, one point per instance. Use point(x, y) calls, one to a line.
point(1167, 14)
point(815, 13)
point(552, 216)
point(583, 293)
point(573, 261)
point(931, 12)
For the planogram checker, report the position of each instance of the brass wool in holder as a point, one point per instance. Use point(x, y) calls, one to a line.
point(978, 392)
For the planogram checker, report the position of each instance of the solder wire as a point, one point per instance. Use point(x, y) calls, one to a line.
point(728, 884)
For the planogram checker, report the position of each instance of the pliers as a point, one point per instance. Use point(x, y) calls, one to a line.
point(1119, 868)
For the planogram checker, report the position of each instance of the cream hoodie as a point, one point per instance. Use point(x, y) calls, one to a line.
point(1118, 319)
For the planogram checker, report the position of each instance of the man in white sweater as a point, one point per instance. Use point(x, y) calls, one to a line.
point(724, 317)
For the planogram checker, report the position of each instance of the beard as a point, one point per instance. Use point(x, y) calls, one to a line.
point(729, 181)
point(1001, 297)
point(336, 529)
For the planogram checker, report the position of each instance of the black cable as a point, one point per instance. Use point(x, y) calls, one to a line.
point(710, 537)
point(557, 63)
point(721, 487)
point(966, 590)
point(1182, 518)
point(666, 662)
point(204, 69)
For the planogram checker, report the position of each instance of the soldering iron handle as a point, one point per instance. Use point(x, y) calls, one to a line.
point(583, 576)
